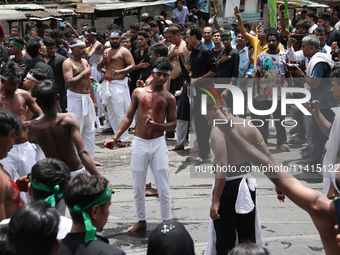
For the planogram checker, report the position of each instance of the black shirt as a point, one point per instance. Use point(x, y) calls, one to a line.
point(62, 51)
point(202, 61)
point(229, 69)
point(74, 244)
point(38, 63)
point(23, 61)
point(333, 36)
point(145, 72)
point(217, 53)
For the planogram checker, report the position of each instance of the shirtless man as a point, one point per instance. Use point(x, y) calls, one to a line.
point(80, 96)
point(316, 204)
point(22, 156)
point(94, 55)
point(118, 61)
point(58, 134)
point(152, 103)
point(177, 50)
point(10, 199)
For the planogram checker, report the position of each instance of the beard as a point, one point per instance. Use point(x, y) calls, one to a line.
point(115, 46)
point(272, 47)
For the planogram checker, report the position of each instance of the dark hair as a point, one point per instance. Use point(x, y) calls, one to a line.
point(196, 31)
point(321, 29)
point(33, 228)
point(311, 14)
point(325, 17)
point(146, 28)
point(8, 121)
point(247, 25)
point(109, 27)
point(56, 33)
point(143, 33)
point(85, 24)
point(249, 249)
point(11, 70)
point(48, 30)
point(160, 49)
point(4, 247)
point(17, 27)
point(18, 40)
point(153, 24)
point(29, 37)
point(124, 37)
point(33, 46)
point(29, 26)
point(303, 23)
point(49, 41)
point(46, 93)
point(179, 1)
point(336, 73)
point(82, 190)
point(163, 63)
point(135, 26)
point(51, 172)
point(67, 33)
point(173, 30)
point(273, 32)
point(1, 50)
point(164, 14)
point(304, 12)
point(266, 28)
point(91, 29)
point(188, 24)
point(226, 33)
point(38, 73)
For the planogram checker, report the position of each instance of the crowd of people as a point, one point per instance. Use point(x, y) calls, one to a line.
point(149, 80)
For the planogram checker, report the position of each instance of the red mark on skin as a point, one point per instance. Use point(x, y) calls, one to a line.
point(15, 193)
point(144, 103)
point(1, 105)
point(158, 108)
point(89, 75)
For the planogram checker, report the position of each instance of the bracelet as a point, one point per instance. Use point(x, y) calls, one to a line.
point(115, 139)
point(303, 76)
point(217, 62)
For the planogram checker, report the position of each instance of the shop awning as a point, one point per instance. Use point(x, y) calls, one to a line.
point(12, 15)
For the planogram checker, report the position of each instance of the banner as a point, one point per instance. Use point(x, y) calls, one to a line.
point(272, 12)
point(218, 4)
point(286, 13)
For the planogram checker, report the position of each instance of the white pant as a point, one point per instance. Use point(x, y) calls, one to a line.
point(151, 152)
point(19, 163)
point(117, 99)
point(82, 106)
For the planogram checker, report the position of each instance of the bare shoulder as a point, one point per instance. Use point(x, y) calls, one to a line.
point(67, 62)
point(23, 93)
point(168, 95)
point(84, 61)
point(68, 118)
point(125, 51)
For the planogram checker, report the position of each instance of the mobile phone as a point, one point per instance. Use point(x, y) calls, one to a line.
point(336, 202)
point(62, 24)
point(282, 7)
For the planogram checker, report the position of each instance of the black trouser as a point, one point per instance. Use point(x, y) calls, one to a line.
point(230, 221)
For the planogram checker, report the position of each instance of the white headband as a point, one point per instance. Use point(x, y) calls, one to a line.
point(77, 44)
point(114, 34)
point(92, 33)
point(156, 70)
point(11, 79)
point(30, 76)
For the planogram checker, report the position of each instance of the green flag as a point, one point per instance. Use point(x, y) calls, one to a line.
point(272, 12)
point(287, 13)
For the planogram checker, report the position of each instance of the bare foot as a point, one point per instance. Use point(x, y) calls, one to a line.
point(176, 148)
point(195, 149)
point(107, 130)
point(151, 192)
point(148, 185)
point(98, 164)
point(123, 144)
point(138, 226)
point(198, 159)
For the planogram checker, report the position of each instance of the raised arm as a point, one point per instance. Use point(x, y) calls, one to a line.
point(241, 27)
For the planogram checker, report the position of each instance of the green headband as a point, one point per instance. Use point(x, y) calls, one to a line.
point(16, 44)
point(51, 199)
point(225, 37)
point(90, 229)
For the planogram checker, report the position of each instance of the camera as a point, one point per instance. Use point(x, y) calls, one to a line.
point(293, 67)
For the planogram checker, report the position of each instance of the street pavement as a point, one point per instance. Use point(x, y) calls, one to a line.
point(286, 229)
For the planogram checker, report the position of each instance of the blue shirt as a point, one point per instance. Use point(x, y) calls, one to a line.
point(323, 94)
point(245, 67)
point(210, 47)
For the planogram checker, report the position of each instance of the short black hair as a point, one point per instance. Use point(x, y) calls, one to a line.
point(154, 24)
point(226, 33)
point(38, 73)
point(30, 25)
point(146, 28)
point(48, 30)
point(49, 41)
point(303, 23)
point(160, 49)
point(18, 40)
point(91, 29)
point(33, 228)
point(109, 27)
point(82, 190)
point(4, 247)
point(321, 29)
point(117, 31)
point(143, 33)
point(163, 63)
point(273, 32)
point(325, 16)
point(135, 26)
point(197, 31)
point(311, 14)
point(46, 93)
point(124, 37)
point(173, 30)
point(17, 27)
point(247, 25)
point(33, 46)
point(11, 70)
point(51, 172)
point(57, 33)
point(8, 121)
point(304, 12)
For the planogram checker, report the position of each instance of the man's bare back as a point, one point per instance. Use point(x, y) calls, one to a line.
point(54, 136)
point(10, 199)
point(153, 104)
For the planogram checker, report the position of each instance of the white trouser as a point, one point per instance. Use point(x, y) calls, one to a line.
point(181, 131)
point(19, 163)
point(151, 152)
point(82, 106)
point(117, 99)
